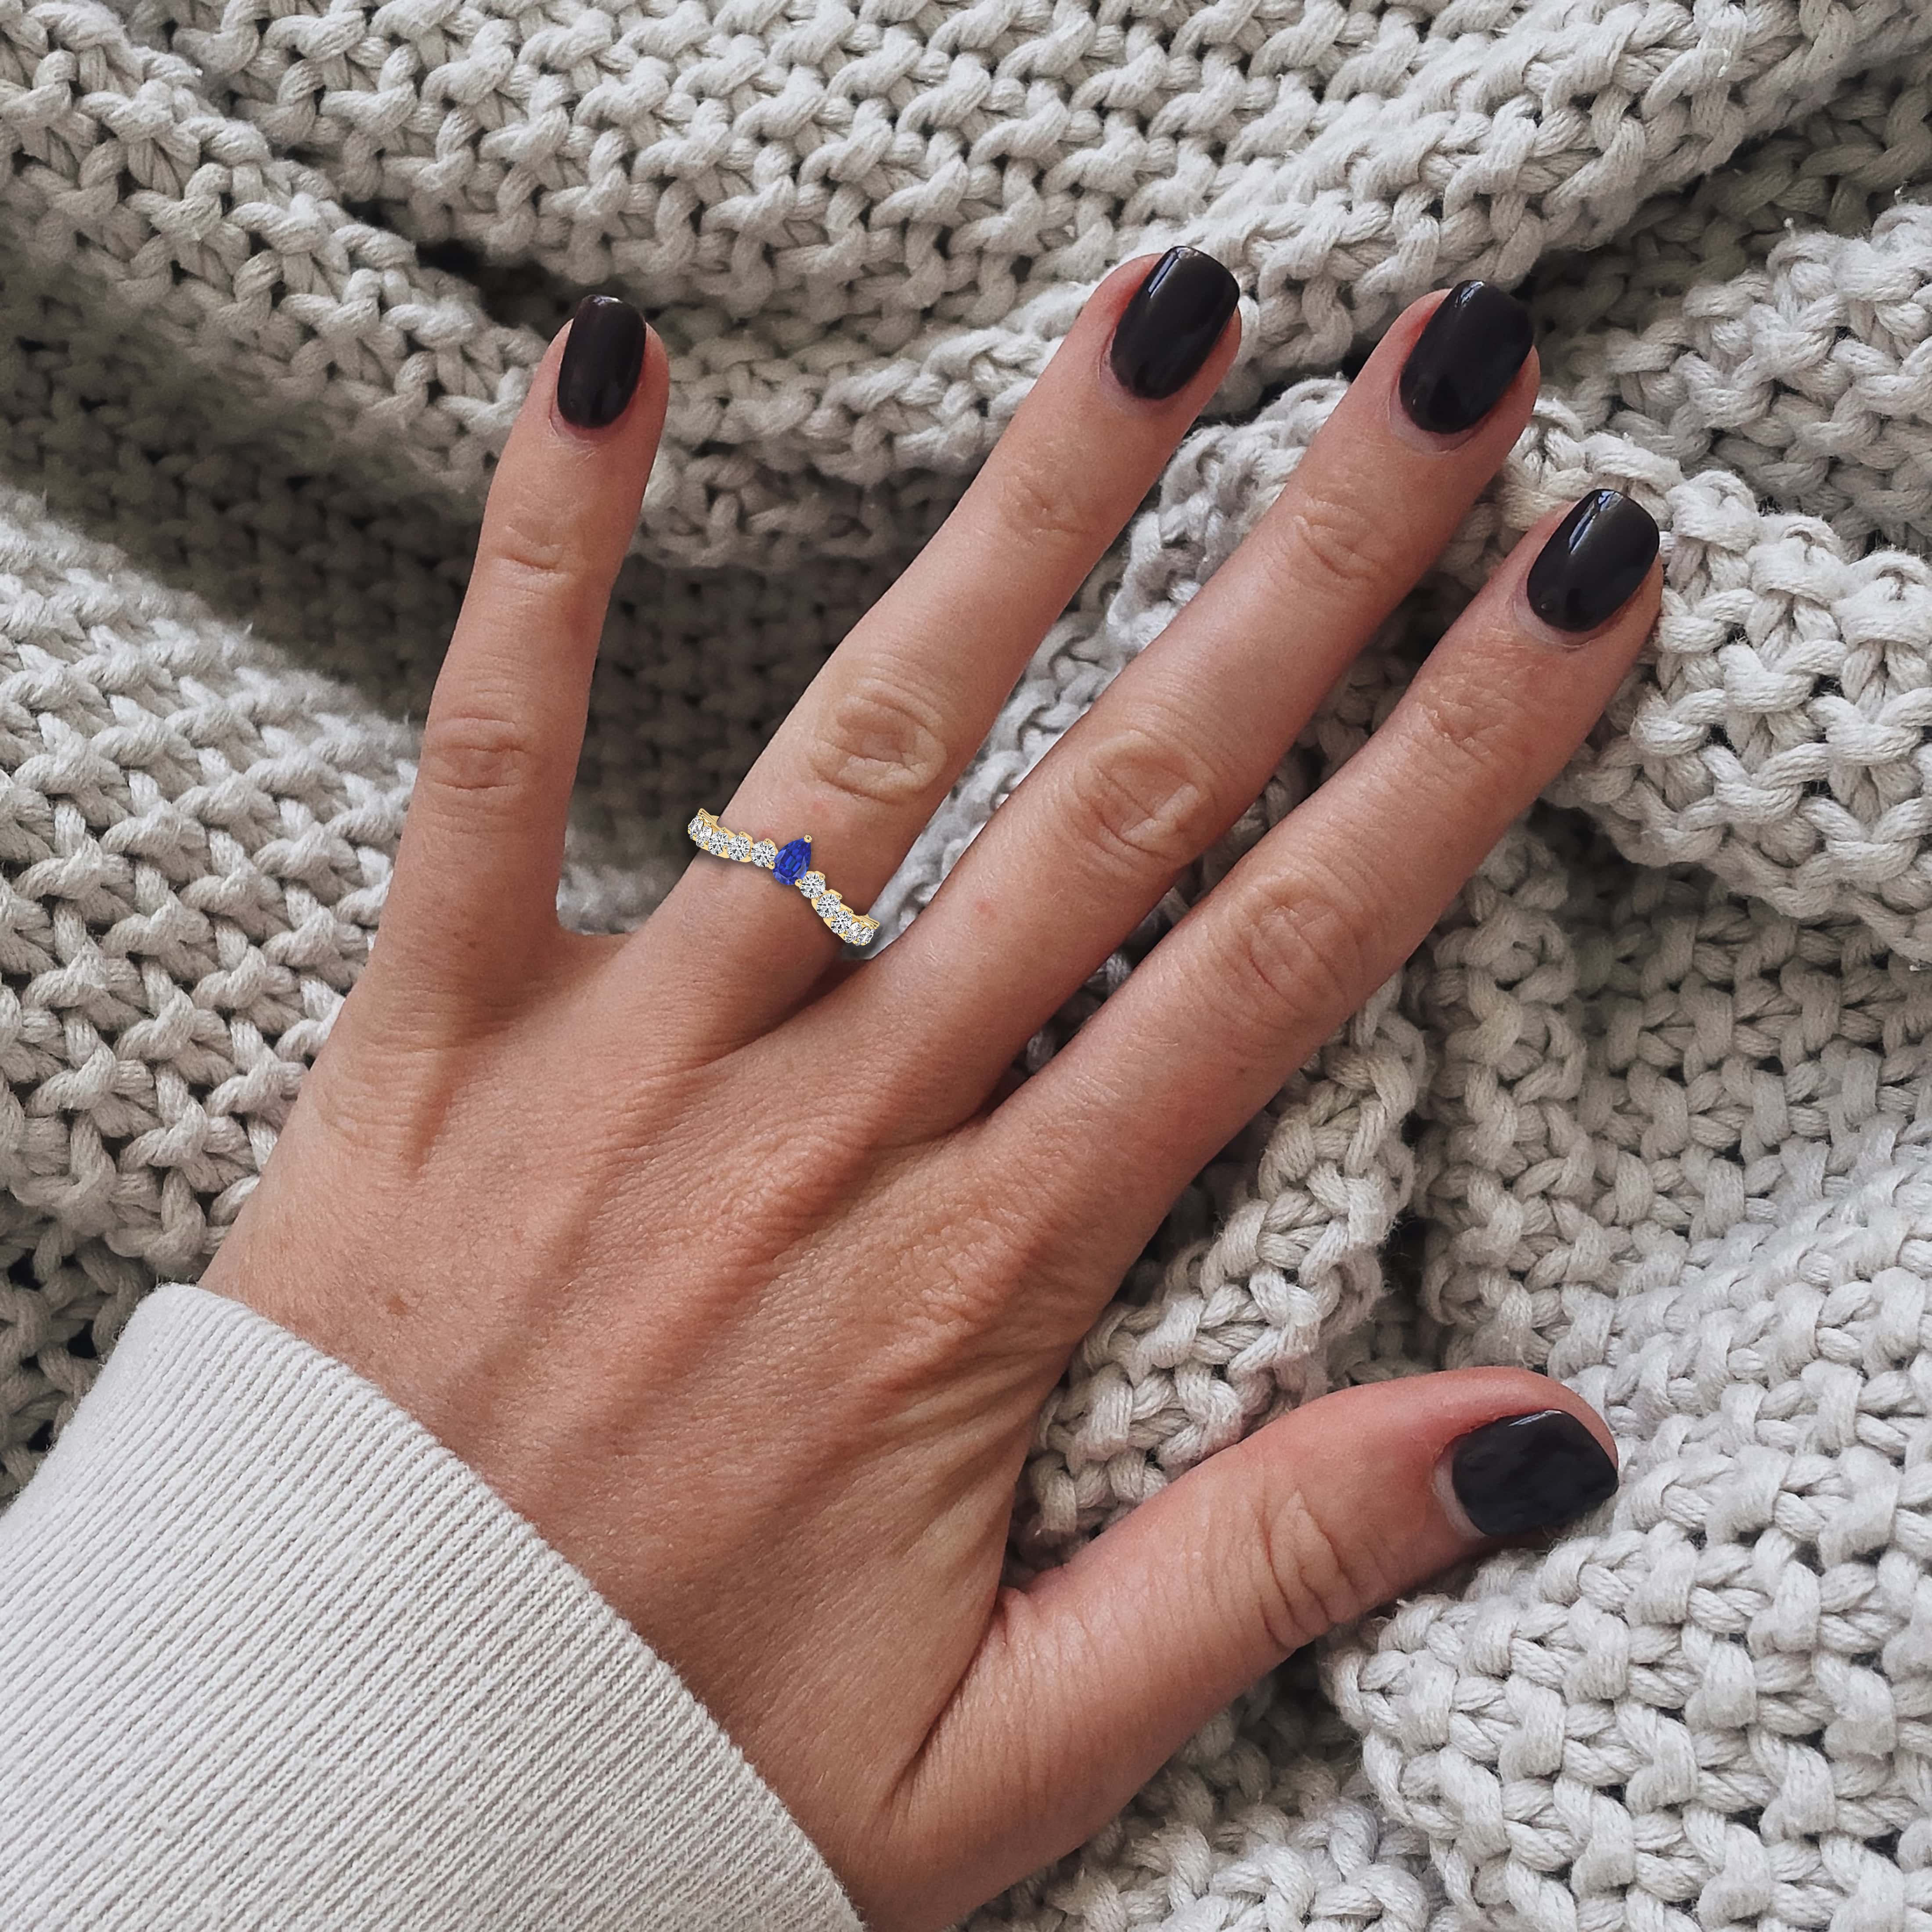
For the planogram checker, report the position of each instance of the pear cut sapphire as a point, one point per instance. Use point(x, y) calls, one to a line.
point(791, 862)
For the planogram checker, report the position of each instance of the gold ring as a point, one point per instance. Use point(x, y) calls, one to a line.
point(790, 865)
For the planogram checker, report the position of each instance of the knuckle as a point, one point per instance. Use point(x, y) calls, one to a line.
point(1472, 724)
point(1140, 803)
point(970, 1285)
point(1313, 1576)
point(879, 744)
point(521, 548)
point(990, 1252)
point(1043, 503)
point(999, 1283)
point(1329, 549)
point(479, 754)
point(1303, 952)
point(537, 558)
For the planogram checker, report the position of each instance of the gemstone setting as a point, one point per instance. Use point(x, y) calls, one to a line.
point(793, 858)
point(790, 863)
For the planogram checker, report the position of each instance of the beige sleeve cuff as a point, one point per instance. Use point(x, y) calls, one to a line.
point(270, 1655)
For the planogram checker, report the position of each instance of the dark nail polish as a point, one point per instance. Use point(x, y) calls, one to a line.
point(1593, 562)
point(603, 357)
point(1176, 317)
point(1465, 358)
point(1529, 1472)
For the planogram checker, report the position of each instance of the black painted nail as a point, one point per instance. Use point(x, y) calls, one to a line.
point(1529, 1472)
point(1465, 358)
point(1593, 562)
point(1176, 317)
point(602, 359)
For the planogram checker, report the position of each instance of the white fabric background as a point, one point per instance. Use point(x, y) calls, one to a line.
point(1646, 1110)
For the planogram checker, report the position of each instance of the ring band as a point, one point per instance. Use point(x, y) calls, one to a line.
point(790, 865)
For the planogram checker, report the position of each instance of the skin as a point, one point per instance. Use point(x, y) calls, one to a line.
point(742, 1274)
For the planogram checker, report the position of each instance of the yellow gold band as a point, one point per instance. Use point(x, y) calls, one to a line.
point(790, 864)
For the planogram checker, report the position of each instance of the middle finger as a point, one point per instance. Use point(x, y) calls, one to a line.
point(1185, 738)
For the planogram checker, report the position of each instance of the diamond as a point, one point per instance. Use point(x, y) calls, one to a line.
point(792, 859)
point(765, 854)
point(696, 828)
point(826, 905)
point(738, 846)
point(812, 884)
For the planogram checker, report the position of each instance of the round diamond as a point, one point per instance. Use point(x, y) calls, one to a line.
point(811, 885)
point(765, 854)
point(738, 846)
point(696, 829)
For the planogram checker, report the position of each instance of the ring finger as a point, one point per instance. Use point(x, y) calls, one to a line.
point(875, 744)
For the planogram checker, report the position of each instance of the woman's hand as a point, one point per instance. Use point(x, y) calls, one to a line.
point(728, 1266)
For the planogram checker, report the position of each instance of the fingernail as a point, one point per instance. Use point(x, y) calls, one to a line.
point(1465, 358)
point(1529, 1472)
point(603, 357)
point(1169, 328)
point(1593, 562)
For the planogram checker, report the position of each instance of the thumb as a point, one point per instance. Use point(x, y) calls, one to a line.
point(1094, 1675)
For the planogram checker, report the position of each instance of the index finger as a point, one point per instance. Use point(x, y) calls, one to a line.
point(1318, 914)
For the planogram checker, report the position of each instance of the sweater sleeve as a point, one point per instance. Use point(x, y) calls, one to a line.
point(271, 1655)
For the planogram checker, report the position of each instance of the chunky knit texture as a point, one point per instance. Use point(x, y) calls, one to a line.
point(1650, 1110)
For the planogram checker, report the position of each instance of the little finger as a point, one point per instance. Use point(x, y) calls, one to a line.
point(474, 898)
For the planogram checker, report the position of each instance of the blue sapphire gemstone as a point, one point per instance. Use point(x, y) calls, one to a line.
point(793, 860)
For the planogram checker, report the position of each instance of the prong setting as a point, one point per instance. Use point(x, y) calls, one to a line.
point(783, 862)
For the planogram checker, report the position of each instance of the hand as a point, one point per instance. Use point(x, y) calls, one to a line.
point(737, 1271)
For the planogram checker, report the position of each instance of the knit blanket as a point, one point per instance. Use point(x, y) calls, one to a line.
point(1650, 1110)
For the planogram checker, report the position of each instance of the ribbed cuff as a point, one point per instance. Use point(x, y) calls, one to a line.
point(272, 1656)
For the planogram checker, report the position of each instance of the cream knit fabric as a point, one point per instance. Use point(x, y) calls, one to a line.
point(275, 1658)
point(1649, 1110)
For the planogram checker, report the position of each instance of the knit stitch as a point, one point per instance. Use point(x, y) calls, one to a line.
point(1648, 1111)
